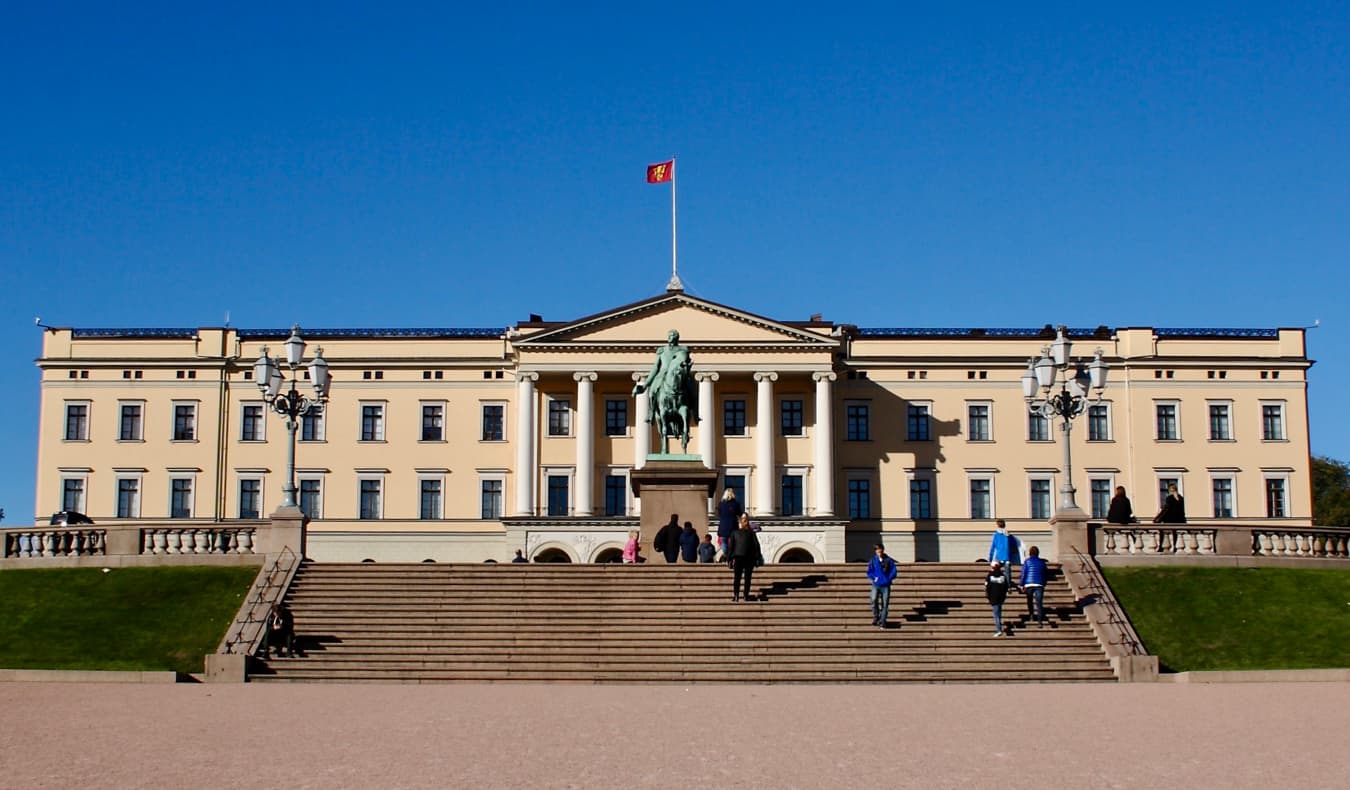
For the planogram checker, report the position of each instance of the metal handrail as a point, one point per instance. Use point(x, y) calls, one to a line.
point(260, 603)
point(1101, 590)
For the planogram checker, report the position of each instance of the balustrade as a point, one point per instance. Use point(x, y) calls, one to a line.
point(93, 542)
point(1202, 540)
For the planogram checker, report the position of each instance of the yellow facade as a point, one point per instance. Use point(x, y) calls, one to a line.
point(1237, 437)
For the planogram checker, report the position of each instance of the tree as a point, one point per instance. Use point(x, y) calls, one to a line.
point(1331, 492)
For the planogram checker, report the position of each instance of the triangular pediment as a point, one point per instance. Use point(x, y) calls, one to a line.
point(699, 322)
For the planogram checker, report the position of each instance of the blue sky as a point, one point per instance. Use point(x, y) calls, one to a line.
point(885, 165)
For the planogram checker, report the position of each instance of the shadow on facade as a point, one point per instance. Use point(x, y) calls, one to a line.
point(888, 445)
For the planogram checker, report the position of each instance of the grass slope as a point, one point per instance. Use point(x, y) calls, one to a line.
point(127, 618)
point(1238, 618)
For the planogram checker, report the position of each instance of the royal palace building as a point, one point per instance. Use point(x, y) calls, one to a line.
point(466, 444)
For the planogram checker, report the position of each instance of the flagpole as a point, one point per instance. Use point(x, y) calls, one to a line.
point(674, 284)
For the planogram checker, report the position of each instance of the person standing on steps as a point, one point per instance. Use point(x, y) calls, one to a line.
point(279, 632)
point(729, 512)
point(881, 569)
point(745, 555)
point(1034, 573)
point(1004, 547)
point(996, 590)
point(689, 543)
point(667, 540)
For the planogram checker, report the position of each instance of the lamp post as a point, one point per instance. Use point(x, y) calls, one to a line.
point(1074, 379)
point(292, 405)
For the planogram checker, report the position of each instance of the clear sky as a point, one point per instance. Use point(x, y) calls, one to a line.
point(456, 164)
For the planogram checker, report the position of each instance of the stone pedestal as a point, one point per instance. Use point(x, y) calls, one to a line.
point(1070, 527)
point(287, 530)
point(667, 486)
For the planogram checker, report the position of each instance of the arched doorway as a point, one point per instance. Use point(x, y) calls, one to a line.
point(552, 555)
point(796, 555)
point(611, 554)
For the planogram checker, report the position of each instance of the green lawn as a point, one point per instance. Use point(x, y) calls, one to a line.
point(1238, 618)
point(125, 618)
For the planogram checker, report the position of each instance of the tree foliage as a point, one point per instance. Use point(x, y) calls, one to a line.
point(1331, 492)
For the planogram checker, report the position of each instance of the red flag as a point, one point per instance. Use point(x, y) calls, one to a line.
point(661, 172)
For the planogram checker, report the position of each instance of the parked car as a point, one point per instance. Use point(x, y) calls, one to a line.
point(66, 518)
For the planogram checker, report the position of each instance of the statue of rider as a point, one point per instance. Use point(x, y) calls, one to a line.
point(672, 393)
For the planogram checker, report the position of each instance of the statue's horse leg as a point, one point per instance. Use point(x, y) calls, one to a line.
point(684, 428)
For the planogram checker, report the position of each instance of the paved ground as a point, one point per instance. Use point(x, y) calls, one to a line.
point(1072, 736)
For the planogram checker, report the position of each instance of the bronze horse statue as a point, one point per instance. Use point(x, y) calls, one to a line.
point(673, 397)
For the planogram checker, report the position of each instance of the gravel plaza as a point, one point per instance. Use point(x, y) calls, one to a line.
point(1155, 735)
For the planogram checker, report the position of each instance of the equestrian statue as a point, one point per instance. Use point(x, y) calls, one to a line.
point(672, 394)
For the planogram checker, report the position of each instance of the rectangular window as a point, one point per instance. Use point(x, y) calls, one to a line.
point(494, 423)
point(736, 482)
point(430, 506)
point(860, 498)
point(311, 425)
point(311, 498)
point(917, 423)
point(370, 498)
point(616, 495)
point(980, 497)
point(129, 428)
point(857, 422)
point(1275, 501)
point(1223, 497)
point(372, 422)
point(559, 417)
point(184, 422)
point(77, 422)
point(791, 410)
point(72, 494)
point(1166, 422)
point(433, 422)
point(251, 423)
point(491, 496)
point(250, 498)
point(128, 497)
point(791, 494)
point(1099, 423)
point(1272, 421)
point(1040, 498)
point(616, 417)
point(1038, 428)
point(733, 417)
point(977, 422)
point(1101, 496)
point(180, 497)
point(920, 498)
point(557, 495)
point(1220, 429)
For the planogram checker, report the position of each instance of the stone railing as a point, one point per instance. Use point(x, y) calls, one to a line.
point(1220, 540)
point(95, 541)
point(151, 543)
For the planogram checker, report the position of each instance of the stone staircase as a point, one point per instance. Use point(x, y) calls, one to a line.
point(430, 623)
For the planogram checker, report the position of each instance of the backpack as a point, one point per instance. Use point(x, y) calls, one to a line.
point(659, 542)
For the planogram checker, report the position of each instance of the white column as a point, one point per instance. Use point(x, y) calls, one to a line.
point(525, 433)
point(764, 436)
point(585, 442)
point(642, 432)
point(824, 443)
point(707, 427)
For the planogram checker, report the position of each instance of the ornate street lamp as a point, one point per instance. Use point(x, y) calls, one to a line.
point(1075, 379)
point(267, 373)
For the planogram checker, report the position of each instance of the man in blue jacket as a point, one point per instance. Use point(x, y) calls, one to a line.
point(881, 570)
point(1033, 584)
point(1004, 548)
